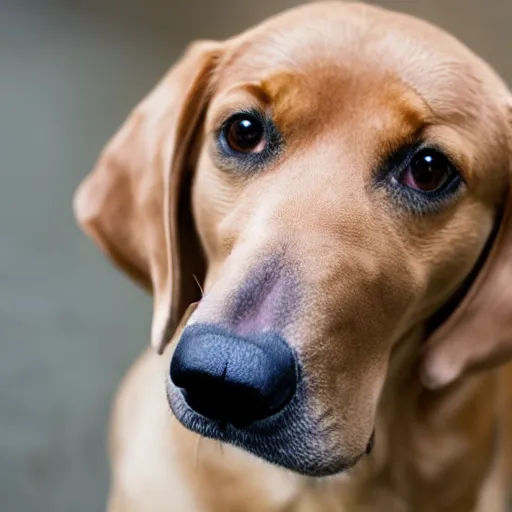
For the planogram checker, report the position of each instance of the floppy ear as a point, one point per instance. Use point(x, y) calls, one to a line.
point(136, 203)
point(478, 334)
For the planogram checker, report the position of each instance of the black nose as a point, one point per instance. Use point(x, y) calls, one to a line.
point(233, 379)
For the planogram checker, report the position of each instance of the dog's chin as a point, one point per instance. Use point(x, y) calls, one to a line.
point(289, 439)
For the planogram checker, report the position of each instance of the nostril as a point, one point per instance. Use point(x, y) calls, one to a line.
point(238, 380)
point(197, 361)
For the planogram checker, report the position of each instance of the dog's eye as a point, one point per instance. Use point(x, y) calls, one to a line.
point(246, 142)
point(428, 171)
point(421, 179)
point(244, 133)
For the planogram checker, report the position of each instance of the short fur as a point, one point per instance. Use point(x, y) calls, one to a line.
point(356, 276)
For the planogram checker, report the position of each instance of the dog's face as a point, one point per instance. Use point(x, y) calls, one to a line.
point(343, 173)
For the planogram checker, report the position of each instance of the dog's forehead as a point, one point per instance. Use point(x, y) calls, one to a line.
point(367, 43)
point(391, 73)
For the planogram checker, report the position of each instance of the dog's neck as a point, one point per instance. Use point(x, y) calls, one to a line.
point(433, 450)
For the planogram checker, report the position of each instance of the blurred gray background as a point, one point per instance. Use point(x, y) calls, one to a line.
point(70, 71)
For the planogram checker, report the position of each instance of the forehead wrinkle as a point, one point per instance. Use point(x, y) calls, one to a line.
point(256, 59)
point(457, 85)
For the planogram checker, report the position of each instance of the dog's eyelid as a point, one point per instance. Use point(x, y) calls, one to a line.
point(246, 97)
point(402, 156)
point(263, 114)
point(459, 164)
point(395, 158)
point(454, 145)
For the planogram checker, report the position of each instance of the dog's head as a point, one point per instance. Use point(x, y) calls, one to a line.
point(333, 178)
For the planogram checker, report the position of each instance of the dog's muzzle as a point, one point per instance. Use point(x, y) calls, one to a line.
point(249, 391)
point(233, 379)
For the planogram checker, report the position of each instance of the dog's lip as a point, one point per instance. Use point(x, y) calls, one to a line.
point(231, 434)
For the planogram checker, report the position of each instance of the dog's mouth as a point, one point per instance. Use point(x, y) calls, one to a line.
point(250, 392)
point(289, 439)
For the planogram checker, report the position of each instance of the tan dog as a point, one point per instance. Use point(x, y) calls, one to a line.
point(337, 179)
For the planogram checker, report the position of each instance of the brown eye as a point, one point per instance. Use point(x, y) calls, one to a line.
point(245, 134)
point(428, 171)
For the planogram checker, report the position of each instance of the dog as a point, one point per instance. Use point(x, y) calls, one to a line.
point(321, 209)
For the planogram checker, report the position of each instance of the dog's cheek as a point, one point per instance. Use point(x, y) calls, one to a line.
point(213, 197)
point(445, 254)
point(343, 392)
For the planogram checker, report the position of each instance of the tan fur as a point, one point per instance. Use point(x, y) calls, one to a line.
point(346, 85)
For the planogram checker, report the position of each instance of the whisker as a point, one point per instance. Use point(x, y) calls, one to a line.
point(327, 412)
point(198, 446)
point(198, 285)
